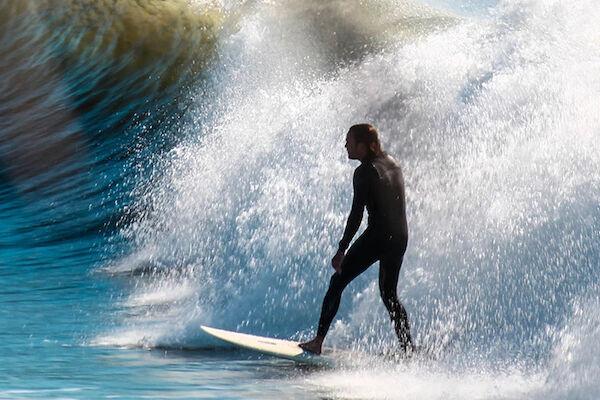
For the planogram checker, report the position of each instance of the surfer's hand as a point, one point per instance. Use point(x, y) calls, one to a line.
point(336, 261)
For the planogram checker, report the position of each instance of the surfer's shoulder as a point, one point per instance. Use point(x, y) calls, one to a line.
point(365, 170)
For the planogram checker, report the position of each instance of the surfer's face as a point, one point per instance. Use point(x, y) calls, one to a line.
point(356, 151)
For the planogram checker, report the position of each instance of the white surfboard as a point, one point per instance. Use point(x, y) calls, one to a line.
point(275, 347)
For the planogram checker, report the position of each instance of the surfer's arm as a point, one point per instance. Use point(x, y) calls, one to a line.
point(356, 213)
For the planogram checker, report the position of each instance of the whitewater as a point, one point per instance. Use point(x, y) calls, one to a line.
point(143, 197)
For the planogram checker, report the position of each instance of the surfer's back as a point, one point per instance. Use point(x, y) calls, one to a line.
point(387, 204)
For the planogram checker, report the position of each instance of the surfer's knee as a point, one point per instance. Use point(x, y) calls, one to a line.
point(388, 294)
point(335, 279)
point(337, 283)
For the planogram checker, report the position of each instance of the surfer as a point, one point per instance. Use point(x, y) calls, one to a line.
point(378, 186)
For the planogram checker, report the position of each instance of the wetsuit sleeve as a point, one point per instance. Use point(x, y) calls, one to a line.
point(359, 201)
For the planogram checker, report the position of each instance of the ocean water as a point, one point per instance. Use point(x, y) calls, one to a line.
point(171, 163)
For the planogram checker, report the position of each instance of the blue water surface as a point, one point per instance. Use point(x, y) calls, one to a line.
point(194, 173)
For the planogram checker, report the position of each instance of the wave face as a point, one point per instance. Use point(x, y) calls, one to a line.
point(224, 206)
point(82, 72)
point(88, 90)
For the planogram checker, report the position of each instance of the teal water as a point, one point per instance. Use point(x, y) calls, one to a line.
point(167, 164)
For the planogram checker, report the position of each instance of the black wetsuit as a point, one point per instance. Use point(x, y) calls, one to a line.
point(378, 186)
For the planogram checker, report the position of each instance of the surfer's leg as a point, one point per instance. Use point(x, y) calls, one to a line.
point(360, 256)
point(363, 253)
point(389, 269)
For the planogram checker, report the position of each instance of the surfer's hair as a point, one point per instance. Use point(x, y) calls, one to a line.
point(367, 134)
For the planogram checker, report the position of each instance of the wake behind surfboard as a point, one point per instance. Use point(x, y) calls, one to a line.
point(275, 347)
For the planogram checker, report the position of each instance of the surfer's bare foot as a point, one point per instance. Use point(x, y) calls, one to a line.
point(314, 346)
